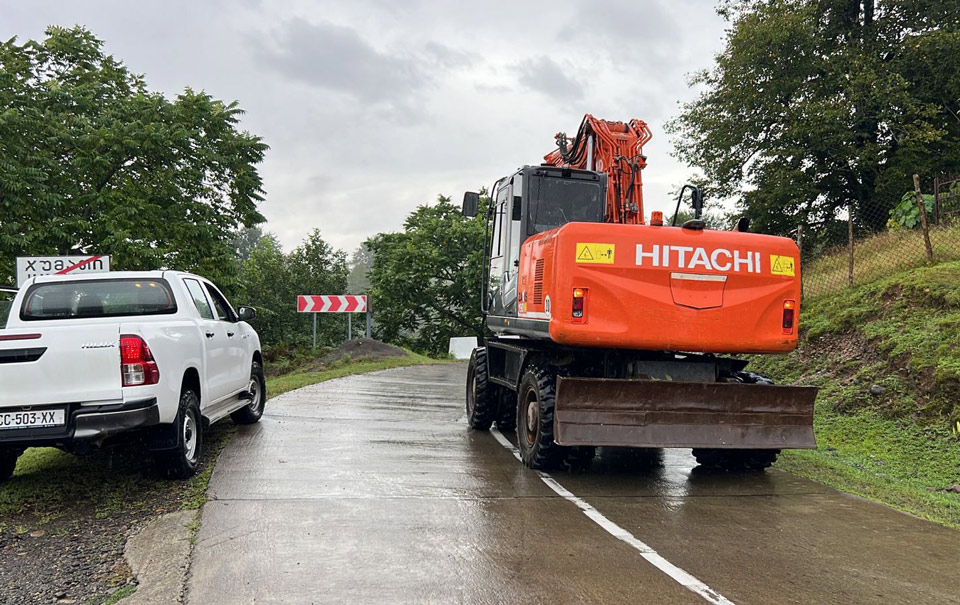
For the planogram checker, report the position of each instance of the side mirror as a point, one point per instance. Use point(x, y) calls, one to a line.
point(247, 313)
point(696, 200)
point(471, 202)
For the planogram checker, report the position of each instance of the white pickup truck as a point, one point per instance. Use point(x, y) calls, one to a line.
point(83, 359)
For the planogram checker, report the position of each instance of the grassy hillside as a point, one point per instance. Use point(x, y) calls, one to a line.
point(886, 356)
point(877, 257)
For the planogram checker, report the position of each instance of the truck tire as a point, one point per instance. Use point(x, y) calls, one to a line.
point(253, 411)
point(483, 401)
point(183, 461)
point(8, 461)
point(735, 460)
point(536, 399)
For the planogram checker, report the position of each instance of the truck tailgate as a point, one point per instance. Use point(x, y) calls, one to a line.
point(60, 364)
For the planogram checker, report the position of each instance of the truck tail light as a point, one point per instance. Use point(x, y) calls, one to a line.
point(789, 316)
point(579, 304)
point(137, 365)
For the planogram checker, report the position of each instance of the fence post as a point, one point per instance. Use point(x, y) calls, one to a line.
point(923, 216)
point(936, 200)
point(850, 243)
point(800, 250)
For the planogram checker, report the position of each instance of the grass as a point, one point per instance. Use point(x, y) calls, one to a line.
point(281, 384)
point(899, 447)
point(120, 594)
point(877, 257)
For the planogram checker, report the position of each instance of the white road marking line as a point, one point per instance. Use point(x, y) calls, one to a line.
point(680, 576)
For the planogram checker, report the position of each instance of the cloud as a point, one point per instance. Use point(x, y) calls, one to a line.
point(545, 76)
point(337, 59)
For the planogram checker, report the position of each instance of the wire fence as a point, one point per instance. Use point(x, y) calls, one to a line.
point(862, 244)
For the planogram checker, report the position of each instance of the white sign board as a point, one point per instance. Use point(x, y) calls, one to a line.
point(31, 266)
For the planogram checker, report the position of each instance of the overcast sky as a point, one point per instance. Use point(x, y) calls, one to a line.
point(372, 107)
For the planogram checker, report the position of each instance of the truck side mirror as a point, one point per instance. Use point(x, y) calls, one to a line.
point(471, 202)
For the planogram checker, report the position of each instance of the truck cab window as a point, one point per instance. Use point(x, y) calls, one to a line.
point(199, 298)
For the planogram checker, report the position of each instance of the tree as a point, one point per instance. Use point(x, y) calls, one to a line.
point(248, 238)
point(91, 161)
point(358, 281)
point(815, 106)
point(425, 281)
point(272, 280)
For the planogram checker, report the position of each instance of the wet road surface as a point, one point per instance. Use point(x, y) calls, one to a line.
point(371, 489)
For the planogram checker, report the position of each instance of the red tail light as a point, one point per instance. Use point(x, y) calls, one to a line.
point(137, 365)
point(579, 304)
point(789, 314)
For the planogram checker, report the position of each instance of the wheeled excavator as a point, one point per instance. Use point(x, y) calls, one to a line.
point(615, 331)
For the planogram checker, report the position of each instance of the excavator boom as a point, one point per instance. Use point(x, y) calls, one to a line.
point(615, 148)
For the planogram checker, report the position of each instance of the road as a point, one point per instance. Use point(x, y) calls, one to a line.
point(370, 489)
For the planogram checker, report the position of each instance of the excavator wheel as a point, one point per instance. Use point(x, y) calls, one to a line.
point(735, 460)
point(483, 400)
point(536, 399)
point(738, 460)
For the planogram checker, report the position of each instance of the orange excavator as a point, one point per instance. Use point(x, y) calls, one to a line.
point(612, 331)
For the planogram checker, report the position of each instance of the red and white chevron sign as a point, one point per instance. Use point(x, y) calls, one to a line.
point(331, 304)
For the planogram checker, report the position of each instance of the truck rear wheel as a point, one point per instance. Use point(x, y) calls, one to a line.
point(483, 401)
point(735, 460)
point(8, 461)
point(183, 461)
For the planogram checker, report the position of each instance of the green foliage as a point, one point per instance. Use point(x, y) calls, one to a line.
point(93, 161)
point(272, 280)
point(907, 212)
point(814, 105)
point(358, 281)
point(425, 280)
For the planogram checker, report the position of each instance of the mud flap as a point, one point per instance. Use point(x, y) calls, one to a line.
point(660, 413)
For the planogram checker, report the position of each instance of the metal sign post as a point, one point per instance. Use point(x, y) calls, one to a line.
point(369, 321)
point(314, 330)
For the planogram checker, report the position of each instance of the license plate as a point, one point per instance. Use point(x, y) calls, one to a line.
point(32, 419)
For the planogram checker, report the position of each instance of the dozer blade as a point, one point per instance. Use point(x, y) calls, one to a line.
point(659, 413)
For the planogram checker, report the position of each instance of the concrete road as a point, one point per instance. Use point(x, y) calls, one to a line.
point(370, 489)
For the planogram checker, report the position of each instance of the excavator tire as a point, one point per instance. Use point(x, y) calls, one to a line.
point(738, 460)
point(536, 400)
point(735, 460)
point(483, 401)
point(577, 458)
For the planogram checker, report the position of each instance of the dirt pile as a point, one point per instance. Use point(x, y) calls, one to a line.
point(366, 349)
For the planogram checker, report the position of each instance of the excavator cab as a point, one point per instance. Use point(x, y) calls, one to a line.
point(533, 200)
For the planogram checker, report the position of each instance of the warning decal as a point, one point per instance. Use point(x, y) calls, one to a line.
point(595, 253)
point(782, 265)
